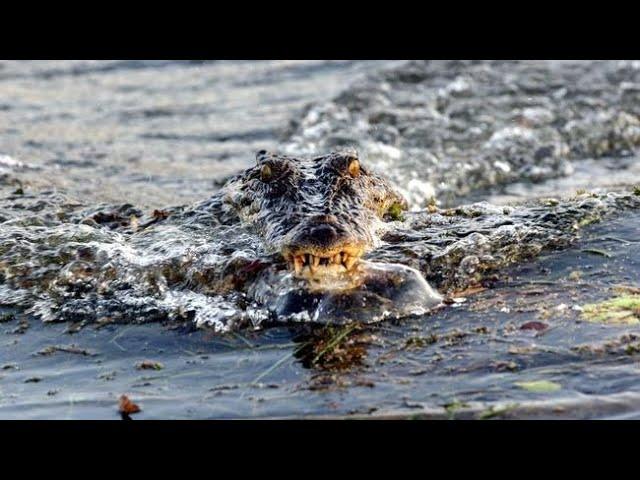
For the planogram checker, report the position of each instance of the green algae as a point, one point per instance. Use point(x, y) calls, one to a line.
point(395, 212)
point(588, 220)
point(497, 411)
point(453, 407)
point(539, 386)
point(624, 309)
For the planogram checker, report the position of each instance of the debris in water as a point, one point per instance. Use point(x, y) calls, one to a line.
point(534, 325)
point(22, 327)
point(496, 411)
point(149, 365)
point(66, 349)
point(452, 407)
point(108, 376)
point(334, 348)
point(539, 386)
point(575, 275)
point(627, 344)
point(623, 289)
point(503, 366)
point(126, 407)
point(597, 251)
point(420, 342)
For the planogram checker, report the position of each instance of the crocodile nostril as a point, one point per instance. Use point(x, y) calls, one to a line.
point(325, 219)
point(324, 233)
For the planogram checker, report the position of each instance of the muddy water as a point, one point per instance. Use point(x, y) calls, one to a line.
point(79, 136)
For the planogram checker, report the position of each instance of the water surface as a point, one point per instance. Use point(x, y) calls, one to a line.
point(78, 139)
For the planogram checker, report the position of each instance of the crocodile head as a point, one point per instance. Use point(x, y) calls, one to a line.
point(320, 214)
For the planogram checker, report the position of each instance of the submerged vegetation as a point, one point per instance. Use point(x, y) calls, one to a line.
point(334, 348)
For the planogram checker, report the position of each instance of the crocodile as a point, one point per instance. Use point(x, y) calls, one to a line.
point(321, 214)
point(320, 238)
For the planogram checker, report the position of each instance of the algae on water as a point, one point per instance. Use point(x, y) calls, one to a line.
point(539, 386)
point(624, 309)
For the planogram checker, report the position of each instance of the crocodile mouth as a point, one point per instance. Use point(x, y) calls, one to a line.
point(316, 264)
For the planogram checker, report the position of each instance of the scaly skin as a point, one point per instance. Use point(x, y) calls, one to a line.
point(322, 214)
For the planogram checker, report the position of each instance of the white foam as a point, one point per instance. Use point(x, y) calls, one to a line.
point(8, 163)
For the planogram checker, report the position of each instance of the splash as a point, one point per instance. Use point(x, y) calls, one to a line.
point(441, 131)
point(446, 129)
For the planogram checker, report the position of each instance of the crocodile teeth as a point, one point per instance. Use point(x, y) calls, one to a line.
point(349, 261)
point(309, 264)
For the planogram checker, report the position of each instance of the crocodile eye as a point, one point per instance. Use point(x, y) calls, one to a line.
point(345, 164)
point(265, 173)
point(353, 167)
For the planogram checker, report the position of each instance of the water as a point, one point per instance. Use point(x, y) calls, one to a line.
point(154, 133)
point(89, 150)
